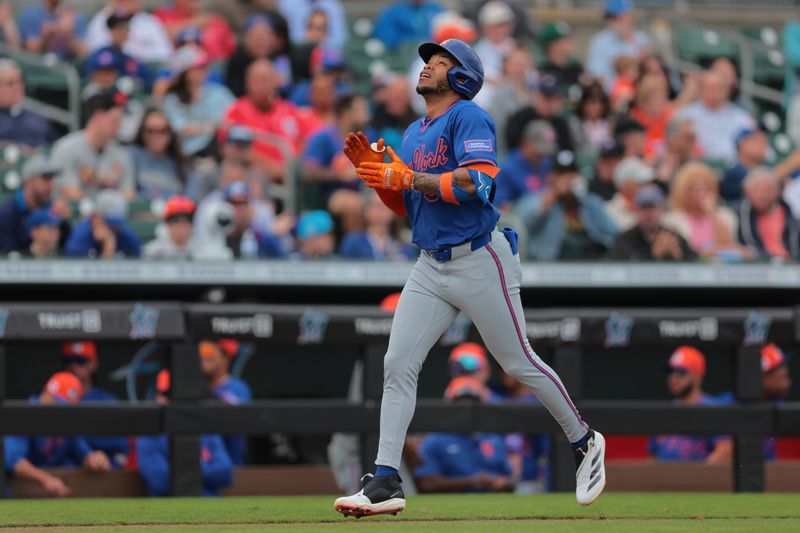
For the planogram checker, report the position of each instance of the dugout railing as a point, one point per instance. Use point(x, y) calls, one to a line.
point(562, 335)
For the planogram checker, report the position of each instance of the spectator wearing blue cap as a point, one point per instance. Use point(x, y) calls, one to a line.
point(245, 238)
point(52, 26)
point(104, 62)
point(44, 228)
point(299, 13)
point(217, 38)
point(546, 103)
point(105, 234)
point(315, 238)
point(19, 125)
point(260, 40)
point(379, 241)
point(649, 239)
point(38, 175)
point(147, 42)
point(619, 38)
point(752, 150)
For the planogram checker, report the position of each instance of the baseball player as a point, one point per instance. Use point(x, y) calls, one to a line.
point(442, 178)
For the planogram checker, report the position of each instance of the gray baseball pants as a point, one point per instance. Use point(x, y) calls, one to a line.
point(485, 285)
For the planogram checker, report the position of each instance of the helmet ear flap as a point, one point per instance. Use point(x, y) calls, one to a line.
point(464, 81)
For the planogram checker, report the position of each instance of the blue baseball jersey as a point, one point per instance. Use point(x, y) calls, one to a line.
point(687, 447)
point(462, 135)
point(519, 177)
point(115, 447)
point(234, 391)
point(460, 455)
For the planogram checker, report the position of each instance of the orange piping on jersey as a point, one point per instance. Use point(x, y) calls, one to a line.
point(486, 168)
point(446, 188)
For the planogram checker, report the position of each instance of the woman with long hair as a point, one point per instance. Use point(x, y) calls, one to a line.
point(159, 166)
point(696, 214)
point(194, 106)
point(592, 113)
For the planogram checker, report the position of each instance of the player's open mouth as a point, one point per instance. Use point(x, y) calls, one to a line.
point(424, 76)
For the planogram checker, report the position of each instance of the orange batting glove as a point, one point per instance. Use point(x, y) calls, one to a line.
point(358, 149)
point(395, 175)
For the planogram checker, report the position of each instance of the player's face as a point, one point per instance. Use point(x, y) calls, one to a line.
point(433, 78)
point(680, 383)
point(777, 383)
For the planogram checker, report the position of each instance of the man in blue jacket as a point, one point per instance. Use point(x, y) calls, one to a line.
point(566, 221)
point(153, 455)
point(27, 457)
point(105, 234)
point(215, 361)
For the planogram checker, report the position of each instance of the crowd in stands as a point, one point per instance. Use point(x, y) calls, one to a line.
point(209, 116)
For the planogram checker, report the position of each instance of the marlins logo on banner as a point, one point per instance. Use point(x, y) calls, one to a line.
point(756, 328)
point(144, 321)
point(3, 321)
point(313, 325)
point(618, 330)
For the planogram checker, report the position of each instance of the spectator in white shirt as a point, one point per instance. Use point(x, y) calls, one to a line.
point(497, 27)
point(716, 120)
point(148, 41)
point(619, 38)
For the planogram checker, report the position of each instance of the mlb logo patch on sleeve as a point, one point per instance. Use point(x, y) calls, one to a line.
point(478, 145)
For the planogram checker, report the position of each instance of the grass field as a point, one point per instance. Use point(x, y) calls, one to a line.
point(446, 513)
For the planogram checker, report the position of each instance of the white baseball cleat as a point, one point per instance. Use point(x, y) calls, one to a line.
point(380, 495)
point(590, 477)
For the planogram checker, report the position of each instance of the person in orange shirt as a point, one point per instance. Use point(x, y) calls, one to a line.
point(274, 121)
point(216, 38)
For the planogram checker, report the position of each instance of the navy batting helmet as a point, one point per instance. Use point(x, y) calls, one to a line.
point(467, 77)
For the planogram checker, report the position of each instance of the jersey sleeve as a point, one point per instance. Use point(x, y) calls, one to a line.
point(474, 139)
point(431, 464)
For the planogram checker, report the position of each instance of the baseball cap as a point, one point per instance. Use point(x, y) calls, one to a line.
point(42, 217)
point(554, 31)
point(550, 85)
point(495, 12)
point(117, 18)
point(771, 358)
point(189, 34)
point(390, 302)
point(744, 134)
point(81, 349)
point(237, 191)
point(179, 205)
point(187, 57)
point(451, 25)
point(240, 135)
point(38, 166)
point(615, 8)
point(313, 224)
point(163, 380)
point(111, 205)
point(689, 359)
point(466, 387)
point(542, 135)
point(612, 150)
point(103, 59)
point(466, 358)
point(208, 349)
point(65, 387)
point(104, 101)
point(650, 196)
point(632, 169)
point(262, 19)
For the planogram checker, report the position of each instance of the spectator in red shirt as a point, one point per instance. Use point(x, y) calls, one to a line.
point(217, 38)
point(266, 114)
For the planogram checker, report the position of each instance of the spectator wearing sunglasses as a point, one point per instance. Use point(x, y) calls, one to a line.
point(216, 357)
point(685, 372)
point(174, 242)
point(159, 166)
point(80, 359)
